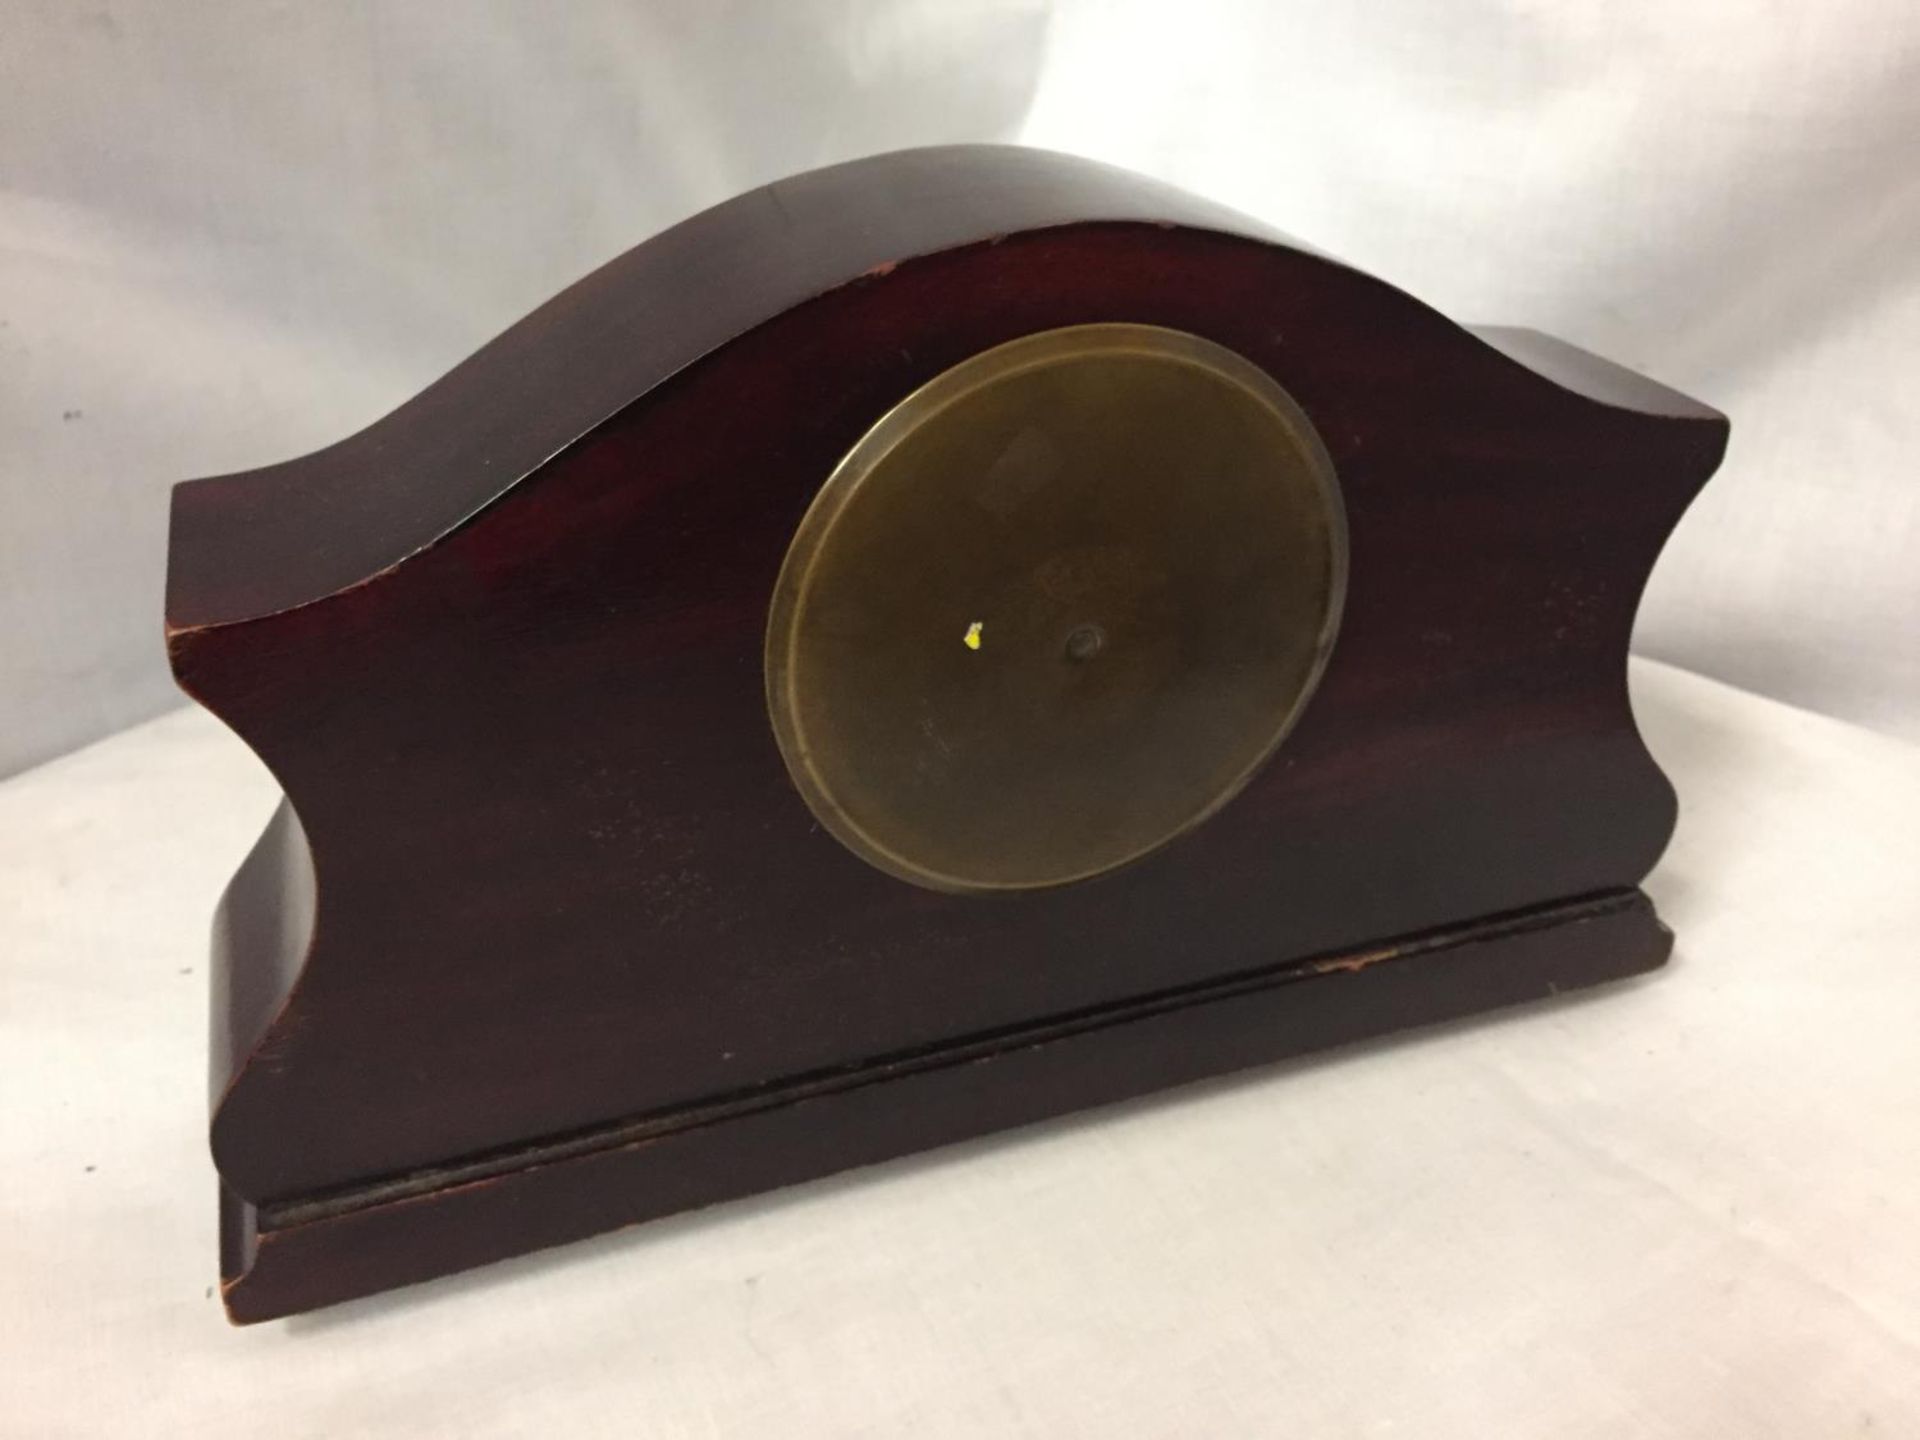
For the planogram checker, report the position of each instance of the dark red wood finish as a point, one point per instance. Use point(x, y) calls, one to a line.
point(299, 1257)
point(548, 878)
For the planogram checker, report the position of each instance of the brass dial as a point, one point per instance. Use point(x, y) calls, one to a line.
point(1055, 608)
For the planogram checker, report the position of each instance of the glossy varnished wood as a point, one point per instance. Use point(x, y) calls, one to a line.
point(543, 872)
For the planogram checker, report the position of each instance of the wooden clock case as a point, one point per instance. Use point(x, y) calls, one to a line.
point(543, 940)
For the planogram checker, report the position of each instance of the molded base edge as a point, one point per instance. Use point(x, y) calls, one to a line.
point(320, 1250)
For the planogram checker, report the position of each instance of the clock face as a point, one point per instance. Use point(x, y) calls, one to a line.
point(1055, 608)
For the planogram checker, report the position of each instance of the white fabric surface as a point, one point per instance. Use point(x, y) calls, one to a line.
point(230, 234)
point(1688, 1206)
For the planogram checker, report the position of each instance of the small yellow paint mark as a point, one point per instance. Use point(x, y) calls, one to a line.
point(972, 638)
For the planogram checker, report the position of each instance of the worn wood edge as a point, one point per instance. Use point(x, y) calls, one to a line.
point(308, 1252)
point(262, 930)
point(1596, 378)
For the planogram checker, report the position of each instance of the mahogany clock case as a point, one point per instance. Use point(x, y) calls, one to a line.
point(545, 938)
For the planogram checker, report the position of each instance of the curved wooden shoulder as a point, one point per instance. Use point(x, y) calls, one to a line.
point(245, 545)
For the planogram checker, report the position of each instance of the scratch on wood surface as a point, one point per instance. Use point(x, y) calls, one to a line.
point(1353, 964)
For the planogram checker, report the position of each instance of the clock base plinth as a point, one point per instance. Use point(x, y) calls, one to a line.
point(308, 1252)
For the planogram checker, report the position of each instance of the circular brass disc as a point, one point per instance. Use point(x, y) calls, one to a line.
point(1055, 608)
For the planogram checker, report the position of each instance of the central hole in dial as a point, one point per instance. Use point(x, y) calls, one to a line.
point(1085, 641)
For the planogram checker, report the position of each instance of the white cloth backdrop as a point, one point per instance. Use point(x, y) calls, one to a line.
point(231, 233)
